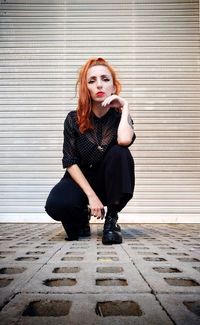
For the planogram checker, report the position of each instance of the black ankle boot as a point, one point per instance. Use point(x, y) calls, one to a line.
point(117, 227)
point(111, 231)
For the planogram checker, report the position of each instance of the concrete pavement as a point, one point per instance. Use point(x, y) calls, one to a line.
point(152, 278)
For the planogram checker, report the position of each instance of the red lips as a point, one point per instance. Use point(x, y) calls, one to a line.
point(100, 94)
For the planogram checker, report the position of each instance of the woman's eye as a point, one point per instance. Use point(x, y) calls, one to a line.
point(91, 81)
point(106, 79)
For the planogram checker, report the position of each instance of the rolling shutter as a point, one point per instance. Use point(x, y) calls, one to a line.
point(154, 45)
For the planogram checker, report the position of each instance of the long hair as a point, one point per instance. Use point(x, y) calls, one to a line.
point(84, 108)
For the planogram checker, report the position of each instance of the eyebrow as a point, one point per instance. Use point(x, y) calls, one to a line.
point(102, 76)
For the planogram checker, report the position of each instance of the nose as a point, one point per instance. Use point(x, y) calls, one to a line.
point(99, 83)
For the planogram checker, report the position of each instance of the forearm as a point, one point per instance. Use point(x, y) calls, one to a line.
point(95, 205)
point(125, 129)
point(77, 175)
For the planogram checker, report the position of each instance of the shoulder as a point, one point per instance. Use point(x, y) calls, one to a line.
point(72, 115)
point(71, 118)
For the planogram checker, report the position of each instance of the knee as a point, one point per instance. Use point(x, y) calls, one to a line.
point(55, 207)
point(60, 209)
point(119, 151)
point(119, 157)
point(52, 209)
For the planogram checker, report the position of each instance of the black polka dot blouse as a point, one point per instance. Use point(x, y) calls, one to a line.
point(89, 148)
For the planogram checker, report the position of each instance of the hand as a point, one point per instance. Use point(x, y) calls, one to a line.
point(115, 101)
point(96, 207)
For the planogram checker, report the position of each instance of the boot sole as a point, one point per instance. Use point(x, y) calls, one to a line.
point(111, 238)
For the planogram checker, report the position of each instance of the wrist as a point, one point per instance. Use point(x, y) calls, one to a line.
point(90, 194)
point(124, 104)
point(125, 109)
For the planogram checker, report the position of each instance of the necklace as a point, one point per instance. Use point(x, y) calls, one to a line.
point(99, 147)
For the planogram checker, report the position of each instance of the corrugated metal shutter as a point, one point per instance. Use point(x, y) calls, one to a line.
point(155, 46)
point(167, 111)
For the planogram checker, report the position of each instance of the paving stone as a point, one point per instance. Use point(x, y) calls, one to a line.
point(159, 281)
point(152, 278)
point(183, 309)
point(13, 278)
point(88, 279)
point(40, 309)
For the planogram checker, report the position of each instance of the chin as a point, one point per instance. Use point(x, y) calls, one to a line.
point(99, 100)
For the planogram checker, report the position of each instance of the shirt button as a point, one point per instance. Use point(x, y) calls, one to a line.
point(91, 166)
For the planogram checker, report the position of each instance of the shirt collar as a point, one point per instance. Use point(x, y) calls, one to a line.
point(105, 116)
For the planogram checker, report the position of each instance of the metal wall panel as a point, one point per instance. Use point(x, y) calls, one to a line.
point(154, 45)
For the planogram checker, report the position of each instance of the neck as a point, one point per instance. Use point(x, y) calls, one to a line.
point(98, 110)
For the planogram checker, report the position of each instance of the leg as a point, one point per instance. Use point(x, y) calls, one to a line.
point(66, 203)
point(119, 176)
point(116, 181)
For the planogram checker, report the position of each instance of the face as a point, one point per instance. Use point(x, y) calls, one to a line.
point(100, 83)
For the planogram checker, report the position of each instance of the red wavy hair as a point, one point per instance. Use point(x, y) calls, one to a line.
point(84, 108)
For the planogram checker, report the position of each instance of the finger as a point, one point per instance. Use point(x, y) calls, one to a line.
point(99, 213)
point(104, 103)
point(102, 211)
point(108, 100)
point(94, 213)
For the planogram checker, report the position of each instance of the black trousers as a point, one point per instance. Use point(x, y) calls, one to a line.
point(113, 180)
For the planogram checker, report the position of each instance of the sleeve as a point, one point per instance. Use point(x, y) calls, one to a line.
point(133, 139)
point(69, 143)
point(134, 135)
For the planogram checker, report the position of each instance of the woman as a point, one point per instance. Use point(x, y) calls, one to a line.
point(99, 166)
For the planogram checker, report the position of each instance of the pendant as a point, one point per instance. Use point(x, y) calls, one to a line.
point(100, 148)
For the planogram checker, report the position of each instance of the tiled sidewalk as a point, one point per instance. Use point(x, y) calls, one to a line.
point(153, 278)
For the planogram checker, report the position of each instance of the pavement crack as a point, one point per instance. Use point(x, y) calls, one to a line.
point(9, 300)
point(164, 309)
point(151, 289)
